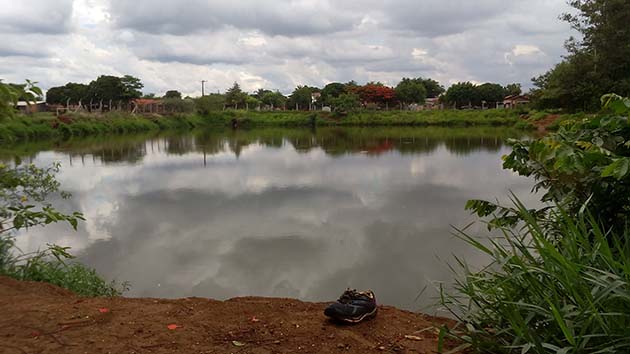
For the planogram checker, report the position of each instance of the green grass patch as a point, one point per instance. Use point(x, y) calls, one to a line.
point(54, 265)
point(369, 118)
point(47, 126)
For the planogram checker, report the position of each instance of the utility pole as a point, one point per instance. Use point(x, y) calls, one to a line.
point(202, 87)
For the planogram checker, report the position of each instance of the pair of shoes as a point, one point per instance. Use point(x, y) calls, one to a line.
point(353, 307)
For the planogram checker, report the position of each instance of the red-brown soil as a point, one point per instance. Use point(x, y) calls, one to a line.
point(544, 123)
point(42, 318)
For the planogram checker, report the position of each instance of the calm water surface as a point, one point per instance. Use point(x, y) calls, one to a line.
point(286, 213)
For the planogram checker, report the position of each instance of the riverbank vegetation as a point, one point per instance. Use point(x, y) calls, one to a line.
point(24, 194)
point(47, 126)
point(559, 279)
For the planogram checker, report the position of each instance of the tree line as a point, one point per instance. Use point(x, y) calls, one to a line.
point(105, 88)
point(373, 95)
point(338, 96)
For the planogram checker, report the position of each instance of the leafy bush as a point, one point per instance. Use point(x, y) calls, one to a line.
point(210, 103)
point(585, 162)
point(559, 280)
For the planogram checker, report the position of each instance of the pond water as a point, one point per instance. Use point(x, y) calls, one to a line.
point(277, 212)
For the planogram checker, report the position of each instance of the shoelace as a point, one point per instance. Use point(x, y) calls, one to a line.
point(350, 295)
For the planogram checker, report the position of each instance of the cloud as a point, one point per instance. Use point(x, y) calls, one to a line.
point(433, 18)
point(274, 17)
point(279, 44)
point(524, 54)
point(35, 16)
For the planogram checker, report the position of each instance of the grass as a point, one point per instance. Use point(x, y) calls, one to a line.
point(371, 118)
point(565, 290)
point(47, 126)
point(54, 265)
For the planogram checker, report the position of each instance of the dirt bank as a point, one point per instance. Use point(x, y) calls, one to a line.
point(544, 123)
point(41, 318)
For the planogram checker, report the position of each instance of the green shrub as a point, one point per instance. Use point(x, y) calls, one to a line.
point(566, 291)
point(559, 281)
point(588, 159)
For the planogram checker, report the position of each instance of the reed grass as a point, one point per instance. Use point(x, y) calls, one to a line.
point(561, 290)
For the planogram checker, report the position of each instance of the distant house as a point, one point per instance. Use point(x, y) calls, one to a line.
point(514, 101)
point(148, 105)
point(432, 103)
point(32, 107)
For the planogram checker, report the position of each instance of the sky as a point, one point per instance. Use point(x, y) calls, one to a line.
point(279, 44)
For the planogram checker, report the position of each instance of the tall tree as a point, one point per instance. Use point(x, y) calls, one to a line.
point(132, 87)
point(70, 91)
point(513, 89)
point(173, 94)
point(462, 94)
point(274, 99)
point(301, 98)
point(377, 93)
point(261, 92)
point(596, 64)
point(331, 91)
point(490, 93)
point(235, 97)
point(411, 91)
point(434, 89)
point(106, 87)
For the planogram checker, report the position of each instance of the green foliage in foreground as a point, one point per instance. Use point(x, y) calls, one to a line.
point(23, 194)
point(10, 95)
point(586, 161)
point(559, 281)
point(544, 293)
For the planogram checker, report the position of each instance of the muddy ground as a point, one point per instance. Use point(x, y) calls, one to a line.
point(42, 318)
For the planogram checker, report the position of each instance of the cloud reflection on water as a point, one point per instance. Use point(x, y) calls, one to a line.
point(254, 215)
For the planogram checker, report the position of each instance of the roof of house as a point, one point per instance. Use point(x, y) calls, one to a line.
point(145, 101)
point(24, 103)
point(516, 97)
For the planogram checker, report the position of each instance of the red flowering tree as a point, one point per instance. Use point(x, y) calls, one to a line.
point(377, 93)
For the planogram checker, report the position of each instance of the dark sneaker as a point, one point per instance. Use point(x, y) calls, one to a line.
point(353, 307)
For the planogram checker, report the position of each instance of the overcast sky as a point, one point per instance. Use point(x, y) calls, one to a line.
point(278, 44)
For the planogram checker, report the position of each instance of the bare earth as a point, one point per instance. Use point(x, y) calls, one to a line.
point(42, 318)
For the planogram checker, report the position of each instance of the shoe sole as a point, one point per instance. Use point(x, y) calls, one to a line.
point(358, 319)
